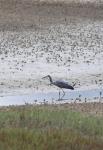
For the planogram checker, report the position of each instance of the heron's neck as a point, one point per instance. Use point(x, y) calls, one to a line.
point(51, 81)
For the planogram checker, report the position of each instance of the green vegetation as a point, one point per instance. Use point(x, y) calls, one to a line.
point(49, 128)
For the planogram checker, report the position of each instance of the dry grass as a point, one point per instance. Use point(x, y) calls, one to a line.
point(47, 140)
point(51, 127)
point(95, 108)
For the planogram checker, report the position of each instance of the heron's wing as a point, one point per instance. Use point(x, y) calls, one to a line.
point(63, 84)
point(60, 83)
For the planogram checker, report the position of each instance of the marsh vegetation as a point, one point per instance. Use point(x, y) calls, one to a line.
point(52, 127)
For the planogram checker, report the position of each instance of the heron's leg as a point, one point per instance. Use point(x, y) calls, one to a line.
point(63, 94)
point(59, 95)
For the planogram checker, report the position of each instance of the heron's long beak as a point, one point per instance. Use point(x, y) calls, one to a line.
point(44, 77)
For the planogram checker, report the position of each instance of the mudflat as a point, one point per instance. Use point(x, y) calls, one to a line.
point(38, 38)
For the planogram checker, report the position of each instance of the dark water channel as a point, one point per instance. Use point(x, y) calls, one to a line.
point(92, 95)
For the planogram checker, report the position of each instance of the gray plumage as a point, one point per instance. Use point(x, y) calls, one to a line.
point(60, 84)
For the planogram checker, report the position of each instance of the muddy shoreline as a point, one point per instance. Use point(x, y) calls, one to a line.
point(57, 39)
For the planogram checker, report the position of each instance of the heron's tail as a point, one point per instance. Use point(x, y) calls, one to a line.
point(72, 88)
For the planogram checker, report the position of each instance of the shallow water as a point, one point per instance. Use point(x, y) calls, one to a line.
point(52, 97)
